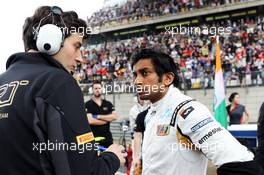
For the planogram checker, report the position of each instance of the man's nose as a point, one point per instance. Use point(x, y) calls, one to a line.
point(138, 80)
point(79, 59)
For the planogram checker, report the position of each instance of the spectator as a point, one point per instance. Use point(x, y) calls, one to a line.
point(237, 113)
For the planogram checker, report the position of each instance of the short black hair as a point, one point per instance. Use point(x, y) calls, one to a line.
point(96, 82)
point(70, 19)
point(232, 96)
point(162, 62)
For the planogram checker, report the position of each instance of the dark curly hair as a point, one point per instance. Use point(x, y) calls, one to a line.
point(70, 19)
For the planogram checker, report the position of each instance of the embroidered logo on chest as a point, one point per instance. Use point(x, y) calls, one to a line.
point(163, 130)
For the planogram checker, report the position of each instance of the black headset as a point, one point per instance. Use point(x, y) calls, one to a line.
point(49, 37)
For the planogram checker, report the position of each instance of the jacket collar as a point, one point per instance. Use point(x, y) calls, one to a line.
point(33, 58)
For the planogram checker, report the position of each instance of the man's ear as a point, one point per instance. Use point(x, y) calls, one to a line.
point(168, 78)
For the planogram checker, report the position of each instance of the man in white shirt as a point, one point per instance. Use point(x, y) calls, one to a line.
point(139, 106)
point(180, 133)
point(136, 135)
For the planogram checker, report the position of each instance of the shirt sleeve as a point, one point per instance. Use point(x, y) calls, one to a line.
point(111, 107)
point(140, 121)
point(197, 124)
point(243, 108)
point(61, 119)
point(87, 107)
point(132, 120)
point(240, 168)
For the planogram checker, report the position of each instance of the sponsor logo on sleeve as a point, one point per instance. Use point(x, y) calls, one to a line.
point(163, 130)
point(209, 134)
point(85, 138)
point(201, 124)
point(185, 112)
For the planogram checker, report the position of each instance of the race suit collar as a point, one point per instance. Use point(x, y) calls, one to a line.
point(159, 103)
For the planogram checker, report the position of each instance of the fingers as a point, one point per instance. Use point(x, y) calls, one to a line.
point(124, 154)
point(123, 157)
point(122, 148)
point(122, 160)
point(119, 150)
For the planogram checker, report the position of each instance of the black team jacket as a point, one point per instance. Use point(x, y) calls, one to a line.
point(43, 125)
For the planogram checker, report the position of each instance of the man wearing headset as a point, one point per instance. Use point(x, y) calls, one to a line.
point(43, 125)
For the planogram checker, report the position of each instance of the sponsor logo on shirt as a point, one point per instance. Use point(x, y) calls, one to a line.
point(201, 124)
point(163, 130)
point(209, 134)
point(105, 108)
point(84, 138)
point(185, 112)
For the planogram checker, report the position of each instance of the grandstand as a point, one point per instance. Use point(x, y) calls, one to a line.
point(124, 28)
point(107, 54)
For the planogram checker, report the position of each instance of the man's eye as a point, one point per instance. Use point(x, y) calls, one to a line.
point(77, 46)
point(144, 73)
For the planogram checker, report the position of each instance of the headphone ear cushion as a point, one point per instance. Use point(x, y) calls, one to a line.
point(49, 39)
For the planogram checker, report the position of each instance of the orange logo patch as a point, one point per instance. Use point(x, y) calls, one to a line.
point(84, 138)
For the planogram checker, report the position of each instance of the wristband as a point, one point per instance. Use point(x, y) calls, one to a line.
point(102, 148)
point(94, 116)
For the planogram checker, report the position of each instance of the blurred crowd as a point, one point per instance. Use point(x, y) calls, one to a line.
point(134, 10)
point(242, 54)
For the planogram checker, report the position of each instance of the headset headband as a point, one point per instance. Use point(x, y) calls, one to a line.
point(54, 10)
